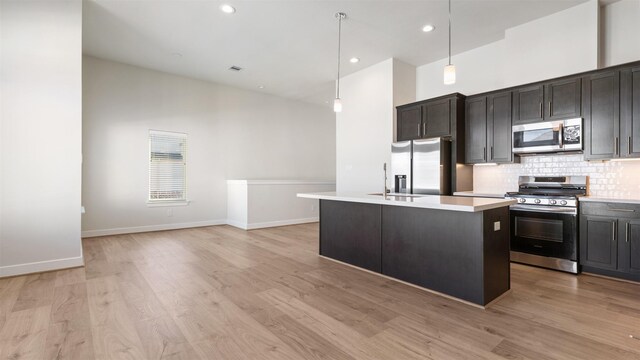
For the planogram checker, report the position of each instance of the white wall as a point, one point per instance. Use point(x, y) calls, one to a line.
point(560, 44)
point(620, 26)
point(232, 133)
point(255, 204)
point(364, 128)
point(40, 135)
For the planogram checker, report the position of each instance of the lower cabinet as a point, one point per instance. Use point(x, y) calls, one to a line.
point(610, 239)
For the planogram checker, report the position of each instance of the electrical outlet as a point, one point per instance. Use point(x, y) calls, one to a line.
point(169, 212)
point(496, 226)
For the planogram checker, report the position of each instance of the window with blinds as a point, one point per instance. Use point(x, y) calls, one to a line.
point(167, 166)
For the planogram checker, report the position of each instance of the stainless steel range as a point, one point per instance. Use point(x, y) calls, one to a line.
point(544, 222)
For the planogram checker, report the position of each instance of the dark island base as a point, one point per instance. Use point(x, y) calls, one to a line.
point(458, 254)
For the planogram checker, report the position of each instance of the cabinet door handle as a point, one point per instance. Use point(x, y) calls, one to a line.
point(623, 210)
point(613, 231)
point(540, 108)
point(629, 145)
point(491, 152)
point(616, 146)
point(419, 129)
point(484, 153)
point(626, 232)
point(549, 106)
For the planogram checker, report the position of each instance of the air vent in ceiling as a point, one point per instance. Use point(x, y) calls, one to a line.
point(235, 68)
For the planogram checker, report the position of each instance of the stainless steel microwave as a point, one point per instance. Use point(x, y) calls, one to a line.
point(548, 136)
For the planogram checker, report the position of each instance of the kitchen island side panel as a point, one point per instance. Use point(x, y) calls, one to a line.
point(497, 271)
point(438, 250)
point(351, 232)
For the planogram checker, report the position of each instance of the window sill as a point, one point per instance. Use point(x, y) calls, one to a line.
point(167, 203)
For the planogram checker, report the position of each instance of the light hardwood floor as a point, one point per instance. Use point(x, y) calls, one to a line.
point(223, 293)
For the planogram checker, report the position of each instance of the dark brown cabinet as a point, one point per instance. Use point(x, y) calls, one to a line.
point(630, 112)
point(426, 119)
point(612, 114)
point(599, 247)
point(476, 130)
point(556, 100)
point(562, 99)
point(610, 239)
point(409, 123)
point(488, 129)
point(527, 104)
point(437, 118)
point(602, 115)
point(499, 134)
point(630, 259)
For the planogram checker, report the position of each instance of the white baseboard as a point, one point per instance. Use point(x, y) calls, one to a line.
point(268, 224)
point(40, 266)
point(139, 229)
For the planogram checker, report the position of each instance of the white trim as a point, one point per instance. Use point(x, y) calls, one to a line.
point(40, 266)
point(268, 224)
point(281, 182)
point(161, 203)
point(147, 228)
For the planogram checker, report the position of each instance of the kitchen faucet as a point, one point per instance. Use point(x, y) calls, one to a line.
point(384, 167)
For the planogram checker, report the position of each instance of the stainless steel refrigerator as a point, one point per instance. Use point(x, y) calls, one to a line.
point(421, 166)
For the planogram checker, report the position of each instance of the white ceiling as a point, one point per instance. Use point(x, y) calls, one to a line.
point(289, 47)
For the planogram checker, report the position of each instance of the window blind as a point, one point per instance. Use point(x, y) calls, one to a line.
point(167, 166)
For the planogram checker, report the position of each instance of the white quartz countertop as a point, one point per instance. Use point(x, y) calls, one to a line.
point(610, 199)
point(452, 203)
point(478, 194)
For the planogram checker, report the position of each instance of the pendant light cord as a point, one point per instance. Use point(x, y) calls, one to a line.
point(340, 16)
point(449, 32)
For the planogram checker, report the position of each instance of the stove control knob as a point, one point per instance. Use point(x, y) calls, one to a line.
point(537, 201)
point(523, 200)
point(552, 202)
point(563, 202)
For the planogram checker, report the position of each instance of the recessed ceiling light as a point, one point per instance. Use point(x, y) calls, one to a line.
point(428, 28)
point(260, 86)
point(176, 54)
point(354, 60)
point(227, 9)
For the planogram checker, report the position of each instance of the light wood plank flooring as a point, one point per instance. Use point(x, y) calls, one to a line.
point(223, 293)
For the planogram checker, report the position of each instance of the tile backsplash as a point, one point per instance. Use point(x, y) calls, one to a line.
point(609, 179)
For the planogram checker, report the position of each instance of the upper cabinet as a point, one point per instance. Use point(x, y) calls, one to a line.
point(630, 112)
point(476, 130)
point(428, 119)
point(555, 100)
point(527, 104)
point(612, 114)
point(602, 115)
point(409, 123)
point(562, 99)
point(488, 129)
point(437, 118)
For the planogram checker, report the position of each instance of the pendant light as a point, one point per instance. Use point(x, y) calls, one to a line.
point(449, 70)
point(337, 103)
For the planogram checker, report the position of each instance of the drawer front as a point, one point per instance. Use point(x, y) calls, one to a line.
point(620, 210)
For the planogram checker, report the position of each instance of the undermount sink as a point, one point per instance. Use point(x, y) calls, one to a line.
point(398, 195)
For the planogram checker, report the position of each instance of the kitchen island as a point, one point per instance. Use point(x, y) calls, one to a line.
point(455, 246)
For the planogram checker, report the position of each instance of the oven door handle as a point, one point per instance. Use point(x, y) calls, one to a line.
point(553, 210)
